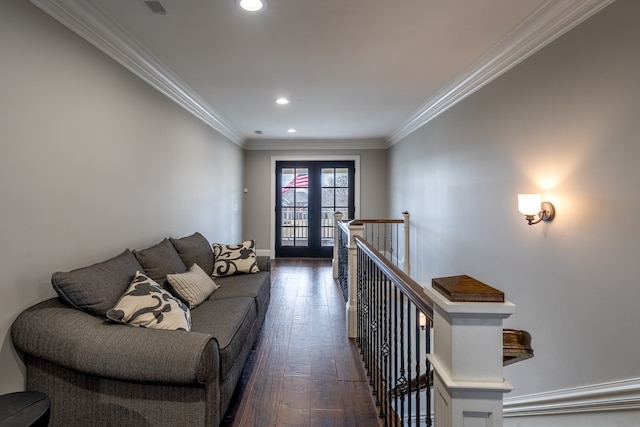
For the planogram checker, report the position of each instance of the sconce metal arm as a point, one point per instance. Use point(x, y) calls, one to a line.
point(546, 213)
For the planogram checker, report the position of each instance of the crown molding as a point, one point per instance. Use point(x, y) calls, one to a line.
point(547, 23)
point(612, 396)
point(90, 22)
point(315, 144)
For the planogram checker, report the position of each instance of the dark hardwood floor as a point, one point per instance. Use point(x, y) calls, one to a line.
point(304, 371)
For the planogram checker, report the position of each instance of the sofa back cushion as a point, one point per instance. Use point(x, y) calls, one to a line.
point(97, 288)
point(195, 249)
point(160, 260)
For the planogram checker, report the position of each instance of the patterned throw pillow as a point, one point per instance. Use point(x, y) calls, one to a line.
point(232, 259)
point(192, 287)
point(147, 305)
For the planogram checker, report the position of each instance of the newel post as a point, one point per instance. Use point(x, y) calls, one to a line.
point(337, 218)
point(467, 352)
point(356, 228)
point(407, 246)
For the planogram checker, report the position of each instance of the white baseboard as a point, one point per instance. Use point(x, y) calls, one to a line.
point(620, 399)
point(264, 252)
point(612, 396)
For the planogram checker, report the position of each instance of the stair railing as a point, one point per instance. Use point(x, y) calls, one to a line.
point(394, 336)
point(388, 236)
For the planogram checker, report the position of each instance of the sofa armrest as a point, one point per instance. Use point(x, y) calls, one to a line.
point(58, 333)
point(264, 263)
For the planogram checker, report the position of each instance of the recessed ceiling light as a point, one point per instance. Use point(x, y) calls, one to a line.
point(282, 101)
point(253, 5)
point(292, 130)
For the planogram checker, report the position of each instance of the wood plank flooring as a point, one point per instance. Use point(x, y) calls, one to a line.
point(304, 371)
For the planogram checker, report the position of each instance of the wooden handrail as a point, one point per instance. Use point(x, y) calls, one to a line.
point(406, 284)
point(516, 347)
point(381, 221)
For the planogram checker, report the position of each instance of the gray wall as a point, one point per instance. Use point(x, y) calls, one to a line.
point(564, 123)
point(256, 224)
point(92, 160)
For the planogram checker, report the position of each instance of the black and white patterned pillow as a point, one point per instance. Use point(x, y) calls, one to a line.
point(147, 305)
point(233, 259)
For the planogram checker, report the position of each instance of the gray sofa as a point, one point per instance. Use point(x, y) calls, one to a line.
point(97, 372)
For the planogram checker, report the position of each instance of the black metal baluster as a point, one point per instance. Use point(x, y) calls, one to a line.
point(418, 343)
point(408, 373)
point(367, 323)
point(394, 360)
point(384, 349)
point(375, 344)
point(362, 277)
point(362, 273)
point(401, 383)
point(372, 286)
point(364, 314)
point(429, 374)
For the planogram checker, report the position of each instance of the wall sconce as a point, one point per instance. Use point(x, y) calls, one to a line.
point(531, 205)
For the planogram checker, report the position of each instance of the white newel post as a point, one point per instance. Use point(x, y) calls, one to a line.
point(467, 352)
point(337, 218)
point(407, 245)
point(356, 228)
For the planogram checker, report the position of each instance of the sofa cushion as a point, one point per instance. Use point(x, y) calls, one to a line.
point(147, 305)
point(160, 260)
point(256, 286)
point(230, 322)
point(193, 286)
point(233, 259)
point(95, 289)
point(195, 249)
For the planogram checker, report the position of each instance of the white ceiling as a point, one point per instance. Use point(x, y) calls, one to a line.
point(364, 70)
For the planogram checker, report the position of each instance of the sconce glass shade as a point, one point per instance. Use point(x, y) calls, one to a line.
point(529, 204)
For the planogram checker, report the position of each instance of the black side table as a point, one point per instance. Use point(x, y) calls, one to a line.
point(24, 409)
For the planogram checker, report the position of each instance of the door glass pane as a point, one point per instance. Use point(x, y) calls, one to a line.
point(326, 225)
point(342, 197)
point(328, 204)
point(287, 236)
point(328, 179)
point(328, 199)
point(287, 179)
point(342, 177)
point(302, 228)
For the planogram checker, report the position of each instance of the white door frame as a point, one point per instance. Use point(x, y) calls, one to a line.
point(311, 157)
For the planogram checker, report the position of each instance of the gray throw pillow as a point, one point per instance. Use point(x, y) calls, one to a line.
point(192, 287)
point(95, 289)
point(195, 249)
point(160, 260)
point(147, 305)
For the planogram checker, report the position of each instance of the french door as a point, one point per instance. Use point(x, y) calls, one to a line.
point(308, 193)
